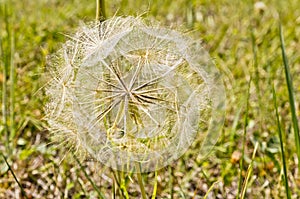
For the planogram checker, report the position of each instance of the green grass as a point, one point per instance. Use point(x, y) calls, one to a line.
point(154, 193)
point(15, 177)
point(140, 181)
point(244, 141)
point(242, 40)
point(290, 87)
point(4, 65)
point(285, 178)
point(248, 174)
point(100, 194)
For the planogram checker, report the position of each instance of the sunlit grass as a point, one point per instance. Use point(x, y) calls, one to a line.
point(243, 41)
point(283, 159)
point(291, 90)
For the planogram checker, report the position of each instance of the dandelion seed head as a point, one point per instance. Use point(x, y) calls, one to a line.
point(126, 92)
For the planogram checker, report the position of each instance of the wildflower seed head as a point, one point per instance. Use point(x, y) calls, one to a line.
point(129, 94)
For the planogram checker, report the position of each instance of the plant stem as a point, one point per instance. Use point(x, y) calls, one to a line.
point(249, 173)
point(15, 177)
point(140, 180)
point(4, 93)
point(257, 78)
point(244, 140)
point(123, 189)
point(89, 179)
point(286, 183)
point(5, 54)
point(12, 87)
point(171, 181)
point(210, 189)
point(155, 186)
point(100, 10)
point(289, 83)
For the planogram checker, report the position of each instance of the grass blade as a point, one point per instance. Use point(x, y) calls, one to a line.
point(140, 180)
point(15, 177)
point(256, 78)
point(244, 141)
point(289, 82)
point(286, 183)
point(122, 187)
point(155, 186)
point(12, 87)
point(171, 181)
point(89, 179)
point(210, 189)
point(4, 57)
point(249, 172)
point(4, 90)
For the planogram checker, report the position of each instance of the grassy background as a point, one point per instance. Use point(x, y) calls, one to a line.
point(242, 38)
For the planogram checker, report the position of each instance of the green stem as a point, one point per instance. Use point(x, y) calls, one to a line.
point(244, 141)
point(155, 186)
point(256, 77)
point(100, 10)
point(89, 179)
point(289, 83)
point(123, 189)
point(4, 94)
point(140, 180)
point(286, 183)
point(4, 55)
point(12, 88)
point(249, 173)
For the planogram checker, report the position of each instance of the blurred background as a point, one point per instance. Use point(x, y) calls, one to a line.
point(243, 40)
